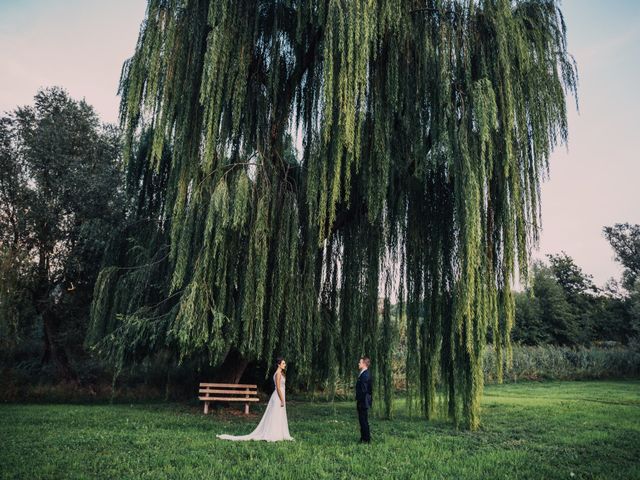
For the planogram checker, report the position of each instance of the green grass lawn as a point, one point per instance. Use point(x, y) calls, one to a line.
point(531, 430)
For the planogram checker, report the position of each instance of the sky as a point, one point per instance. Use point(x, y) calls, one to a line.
point(81, 45)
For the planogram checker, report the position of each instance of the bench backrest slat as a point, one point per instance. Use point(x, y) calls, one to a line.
point(228, 385)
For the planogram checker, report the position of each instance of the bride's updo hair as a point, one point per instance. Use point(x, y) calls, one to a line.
point(278, 362)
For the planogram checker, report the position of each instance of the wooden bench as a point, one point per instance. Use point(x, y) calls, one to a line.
point(228, 392)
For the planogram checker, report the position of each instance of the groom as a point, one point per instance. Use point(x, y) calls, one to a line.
point(364, 398)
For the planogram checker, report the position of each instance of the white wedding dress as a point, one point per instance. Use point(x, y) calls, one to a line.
point(273, 426)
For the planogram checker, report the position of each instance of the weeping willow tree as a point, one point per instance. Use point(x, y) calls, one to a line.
point(294, 161)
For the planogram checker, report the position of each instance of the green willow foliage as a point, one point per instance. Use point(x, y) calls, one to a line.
point(301, 159)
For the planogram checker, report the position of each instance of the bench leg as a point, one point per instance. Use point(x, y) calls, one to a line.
point(246, 409)
point(206, 408)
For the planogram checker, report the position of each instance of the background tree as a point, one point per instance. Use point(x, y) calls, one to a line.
point(59, 203)
point(544, 313)
point(421, 132)
point(570, 276)
point(528, 327)
point(580, 292)
point(625, 241)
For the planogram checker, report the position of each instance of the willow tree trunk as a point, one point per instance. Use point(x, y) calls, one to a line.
point(233, 367)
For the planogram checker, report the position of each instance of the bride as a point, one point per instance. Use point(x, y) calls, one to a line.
point(273, 426)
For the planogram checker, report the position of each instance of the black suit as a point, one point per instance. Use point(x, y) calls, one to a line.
point(364, 400)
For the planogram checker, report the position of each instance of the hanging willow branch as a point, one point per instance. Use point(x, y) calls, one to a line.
point(299, 157)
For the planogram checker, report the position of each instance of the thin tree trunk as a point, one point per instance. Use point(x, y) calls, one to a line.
point(167, 386)
point(54, 351)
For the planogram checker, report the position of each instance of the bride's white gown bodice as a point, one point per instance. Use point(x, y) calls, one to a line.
point(273, 426)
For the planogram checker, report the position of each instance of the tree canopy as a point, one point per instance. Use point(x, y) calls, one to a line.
point(625, 241)
point(293, 161)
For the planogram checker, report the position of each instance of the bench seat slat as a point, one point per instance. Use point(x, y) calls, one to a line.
point(231, 392)
point(229, 385)
point(229, 399)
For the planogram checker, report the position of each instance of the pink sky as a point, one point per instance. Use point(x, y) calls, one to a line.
point(81, 44)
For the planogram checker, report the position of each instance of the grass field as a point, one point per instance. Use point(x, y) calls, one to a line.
point(565, 430)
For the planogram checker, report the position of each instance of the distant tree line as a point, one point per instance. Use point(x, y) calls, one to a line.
point(562, 306)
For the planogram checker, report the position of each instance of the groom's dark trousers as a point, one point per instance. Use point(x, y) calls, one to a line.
point(364, 400)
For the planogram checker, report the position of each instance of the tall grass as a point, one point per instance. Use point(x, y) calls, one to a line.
point(608, 360)
point(551, 362)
